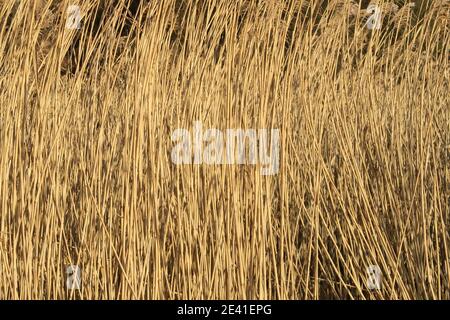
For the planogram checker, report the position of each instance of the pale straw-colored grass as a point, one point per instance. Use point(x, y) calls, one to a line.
point(86, 176)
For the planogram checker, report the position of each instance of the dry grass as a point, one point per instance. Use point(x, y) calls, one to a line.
point(86, 176)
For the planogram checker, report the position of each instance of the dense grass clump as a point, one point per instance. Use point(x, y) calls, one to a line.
point(86, 176)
